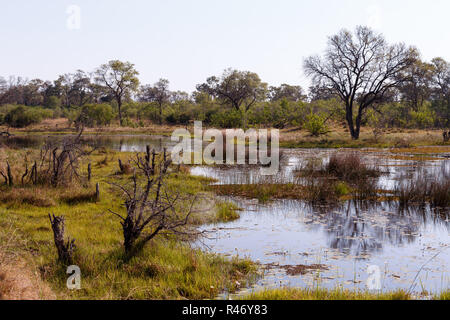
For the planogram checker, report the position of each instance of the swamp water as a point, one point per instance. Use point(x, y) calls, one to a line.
point(409, 246)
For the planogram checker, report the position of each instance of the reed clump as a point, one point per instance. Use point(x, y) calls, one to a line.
point(419, 190)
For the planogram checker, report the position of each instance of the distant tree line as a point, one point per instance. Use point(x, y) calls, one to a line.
point(360, 80)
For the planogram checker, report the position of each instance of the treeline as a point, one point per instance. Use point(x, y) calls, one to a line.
point(413, 94)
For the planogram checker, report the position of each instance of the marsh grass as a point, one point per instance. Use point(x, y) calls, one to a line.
point(444, 295)
point(325, 294)
point(227, 211)
point(349, 167)
point(419, 190)
point(345, 173)
point(262, 192)
point(165, 269)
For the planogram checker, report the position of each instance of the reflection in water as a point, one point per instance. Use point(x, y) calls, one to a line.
point(122, 143)
point(361, 228)
point(347, 238)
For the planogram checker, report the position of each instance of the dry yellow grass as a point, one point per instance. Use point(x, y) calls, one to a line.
point(18, 281)
point(19, 277)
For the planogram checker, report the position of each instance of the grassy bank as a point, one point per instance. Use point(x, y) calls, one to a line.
point(336, 294)
point(165, 269)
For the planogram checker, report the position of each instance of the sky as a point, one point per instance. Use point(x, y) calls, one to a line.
point(187, 41)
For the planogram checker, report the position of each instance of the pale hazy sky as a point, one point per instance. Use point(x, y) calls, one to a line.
point(188, 41)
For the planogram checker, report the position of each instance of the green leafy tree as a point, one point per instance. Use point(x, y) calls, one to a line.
point(240, 89)
point(159, 93)
point(121, 80)
point(92, 115)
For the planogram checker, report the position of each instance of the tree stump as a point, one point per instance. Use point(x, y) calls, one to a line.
point(89, 172)
point(97, 191)
point(65, 249)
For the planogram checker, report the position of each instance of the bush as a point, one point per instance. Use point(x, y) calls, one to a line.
point(178, 118)
point(22, 116)
point(315, 124)
point(53, 102)
point(422, 118)
point(349, 167)
point(227, 119)
point(93, 115)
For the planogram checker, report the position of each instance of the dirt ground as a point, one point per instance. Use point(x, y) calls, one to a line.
point(19, 282)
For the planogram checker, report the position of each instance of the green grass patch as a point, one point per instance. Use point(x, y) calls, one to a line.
point(165, 269)
point(227, 211)
point(324, 294)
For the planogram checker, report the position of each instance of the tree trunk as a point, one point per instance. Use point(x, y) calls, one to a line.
point(351, 127)
point(130, 234)
point(89, 172)
point(65, 250)
point(160, 114)
point(119, 103)
point(10, 177)
point(358, 124)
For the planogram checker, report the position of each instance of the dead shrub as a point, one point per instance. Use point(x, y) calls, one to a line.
point(150, 207)
point(439, 193)
point(321, 190)
point(420, 190)
point(124, 168)
point(349, 167)
point(82, 196)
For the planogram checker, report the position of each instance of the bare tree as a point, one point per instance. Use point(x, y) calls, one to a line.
point(150, 208)
point(361, 69)
point(58, 162)
point(121, 80)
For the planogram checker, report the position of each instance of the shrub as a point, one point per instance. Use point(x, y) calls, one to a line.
point(53, 102)
point(227, 119)
point(321, 190)
point(349, 167)
point(419, 190)
point(22, 116)
point(92, 115)
point(341, 188)
point(316, 124)
point(422, 118)
point(178, 118)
